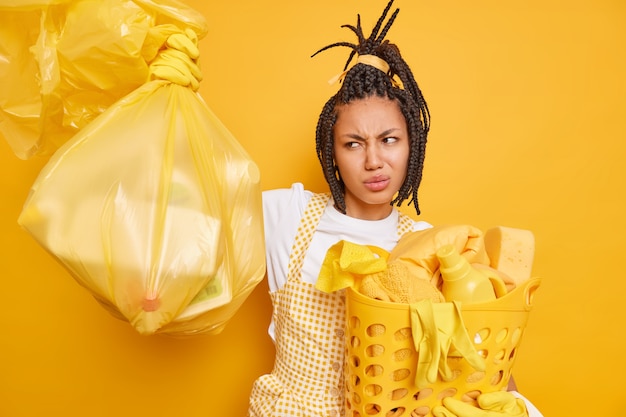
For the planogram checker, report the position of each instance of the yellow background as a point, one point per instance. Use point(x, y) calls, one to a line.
point(527, 101)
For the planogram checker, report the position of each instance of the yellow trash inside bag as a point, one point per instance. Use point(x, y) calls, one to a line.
point(155, 208)
point(62, 63)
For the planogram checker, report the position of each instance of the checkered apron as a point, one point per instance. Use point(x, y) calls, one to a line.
point(307, 379)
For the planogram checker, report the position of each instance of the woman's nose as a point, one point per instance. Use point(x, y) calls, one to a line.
point(373, 159)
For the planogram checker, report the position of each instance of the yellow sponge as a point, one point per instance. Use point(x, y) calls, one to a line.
point(511, 251)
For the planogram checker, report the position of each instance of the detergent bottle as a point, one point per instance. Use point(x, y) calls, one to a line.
point(461, 281)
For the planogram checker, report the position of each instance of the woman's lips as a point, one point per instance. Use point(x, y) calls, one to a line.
point(377, 183)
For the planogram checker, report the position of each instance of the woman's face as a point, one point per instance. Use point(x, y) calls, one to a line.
point(371, 151)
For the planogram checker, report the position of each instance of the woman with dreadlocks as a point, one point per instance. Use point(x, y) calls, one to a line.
point(370, 141)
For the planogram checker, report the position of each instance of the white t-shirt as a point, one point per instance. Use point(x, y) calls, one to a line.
point(283, 209)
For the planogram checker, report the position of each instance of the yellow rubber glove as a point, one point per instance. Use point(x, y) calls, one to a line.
point(438, 332)
point(493, 404)
point(177, 61)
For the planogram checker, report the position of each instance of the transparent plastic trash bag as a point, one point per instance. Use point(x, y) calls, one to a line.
point(62, 63)
point(155, 208)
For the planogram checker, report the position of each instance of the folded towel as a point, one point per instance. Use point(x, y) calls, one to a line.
point(418, 249)
point(397, 286)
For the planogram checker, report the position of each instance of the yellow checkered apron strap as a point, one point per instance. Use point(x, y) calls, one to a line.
point(308, 224)
point(405, 224)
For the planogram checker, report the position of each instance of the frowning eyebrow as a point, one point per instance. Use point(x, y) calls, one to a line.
point(383, 134)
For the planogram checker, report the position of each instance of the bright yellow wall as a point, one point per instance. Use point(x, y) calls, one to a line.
point(527, 102)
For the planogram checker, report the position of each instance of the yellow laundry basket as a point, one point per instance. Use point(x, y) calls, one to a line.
point(381, 358)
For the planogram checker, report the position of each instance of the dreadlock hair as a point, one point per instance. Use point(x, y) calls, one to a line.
point(363, 81)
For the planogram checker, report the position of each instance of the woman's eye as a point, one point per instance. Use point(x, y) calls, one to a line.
point(352, 145)
point(390, 140)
